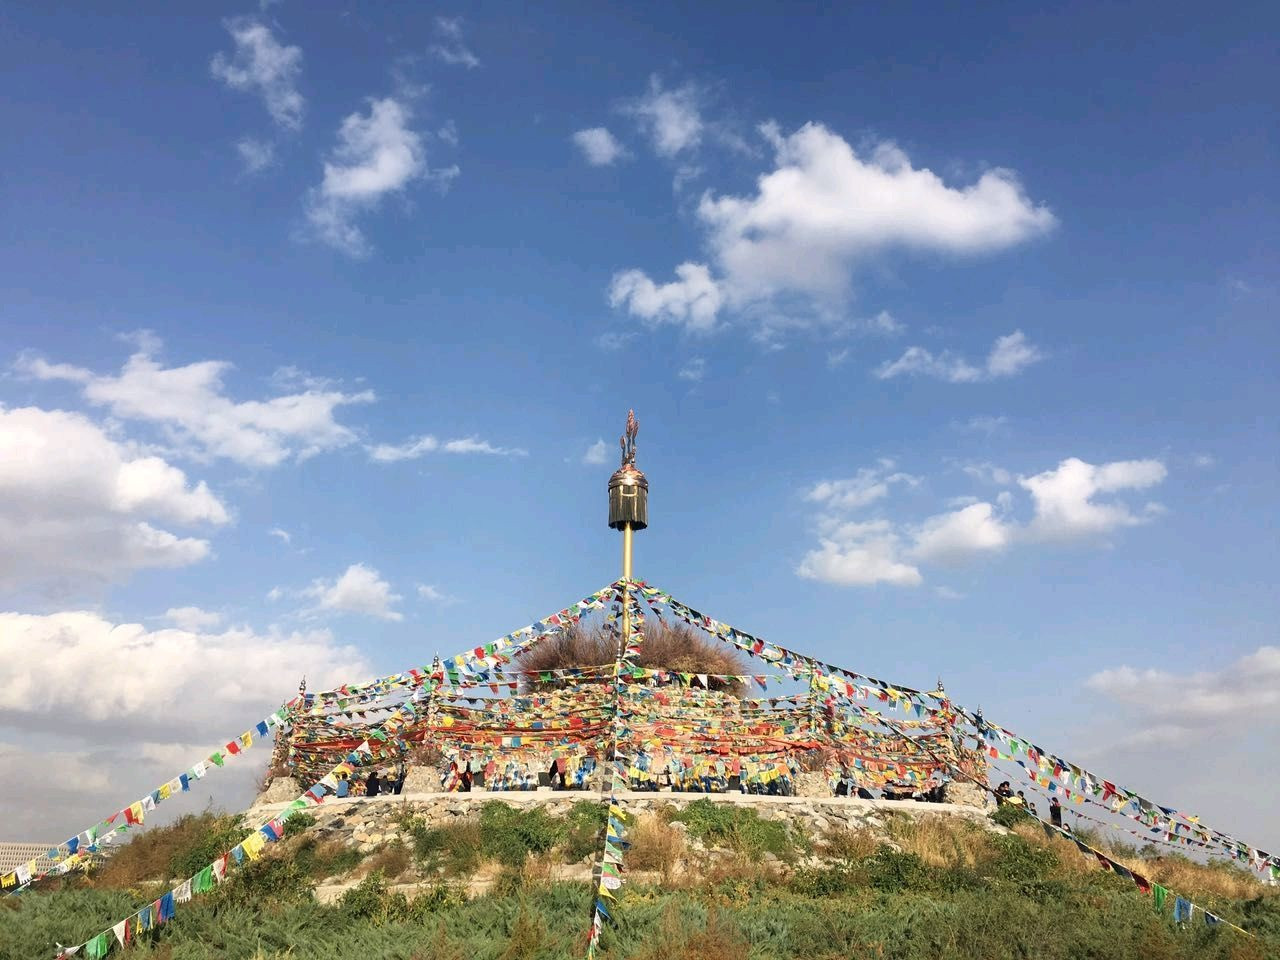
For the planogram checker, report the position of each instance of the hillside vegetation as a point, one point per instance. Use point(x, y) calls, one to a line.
point(710, 881)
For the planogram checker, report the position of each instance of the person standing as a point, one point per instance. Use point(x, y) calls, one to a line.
point(1055, 812)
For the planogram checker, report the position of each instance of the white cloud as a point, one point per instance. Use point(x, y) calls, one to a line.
point(822, 212)
point(692, 300)
point(377, 155)
point(160, 700)
point(599, 147)
point(189, 404)
point(953, 536)
point(281, 535)
point(1172, 706)
point(192, 619)
point(262, 65)
point(1065, 507)
point(671, 118)
point(434, 594)
point(450, 46)
point(257, 155)
point(1010, 355)
point(476, 445)
point(171, 682)
point(360, 589)
point(862, 552)
point(76, 504)
point(596, 454)
point(693, 369)
point(868, 485)
point(1204, 461)
point(859, 554)
point(417, 447)
point(947, 593)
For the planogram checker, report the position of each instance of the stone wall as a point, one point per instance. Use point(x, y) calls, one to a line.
point(366, 823)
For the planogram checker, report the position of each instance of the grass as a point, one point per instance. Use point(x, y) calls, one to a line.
point(944, 890)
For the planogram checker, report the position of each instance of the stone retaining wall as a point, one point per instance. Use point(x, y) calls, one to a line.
point(366, 823)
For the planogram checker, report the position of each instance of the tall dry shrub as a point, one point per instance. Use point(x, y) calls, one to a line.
point(676, 647)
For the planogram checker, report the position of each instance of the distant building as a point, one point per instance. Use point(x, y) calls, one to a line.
point(14, 855)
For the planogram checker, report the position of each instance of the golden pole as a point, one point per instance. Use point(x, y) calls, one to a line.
point(626, 589)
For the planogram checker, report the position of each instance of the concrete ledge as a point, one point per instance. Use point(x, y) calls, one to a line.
point(533, 797)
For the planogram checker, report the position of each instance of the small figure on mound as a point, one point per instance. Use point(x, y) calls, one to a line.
point(1055, 812)
point(344, 789)
point(1004, 793)
point(372, 784)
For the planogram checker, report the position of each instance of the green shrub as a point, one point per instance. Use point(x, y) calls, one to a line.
point(510, 834)
point(585, 825)
point(298, 823)
point(824, 882)
point(1008, 815)
point(737, 828)
point(270, 880)
point(894, 870)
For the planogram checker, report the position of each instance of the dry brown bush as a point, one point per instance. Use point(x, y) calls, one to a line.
point(939, 842)
point(392, 859)
point(845, 843)
point(149, 855)
point(717, 939)
point(677, 647)
point(655, 846)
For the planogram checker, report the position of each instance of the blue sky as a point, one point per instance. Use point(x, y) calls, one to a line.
point(951, 336)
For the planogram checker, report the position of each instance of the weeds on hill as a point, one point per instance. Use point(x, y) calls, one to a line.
point(727, 826)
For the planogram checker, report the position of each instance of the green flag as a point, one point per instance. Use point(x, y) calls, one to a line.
point(1158, 893)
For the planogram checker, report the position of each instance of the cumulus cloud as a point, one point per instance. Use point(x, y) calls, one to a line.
point(450, 46)
point(417, 447)
point(76, 504)
point(823, 211)
point(671, 118)
point(360, 589)
point(1173, 705)
point(155, 702)
point(261, 64)
point(956, 535)
point(1065, 497)
point(859, 554)
point(854, 551)
point(192, 619)
point(692, 300)
point(1009, 356)
point(171, 682)
point(599, 147)
point(596, 454)
point(281, 535)
point(377, 155)
point(866, 486)
point(190, 406)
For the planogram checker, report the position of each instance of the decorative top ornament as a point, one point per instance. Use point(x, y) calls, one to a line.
point(628, 440)
point(629, 487)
